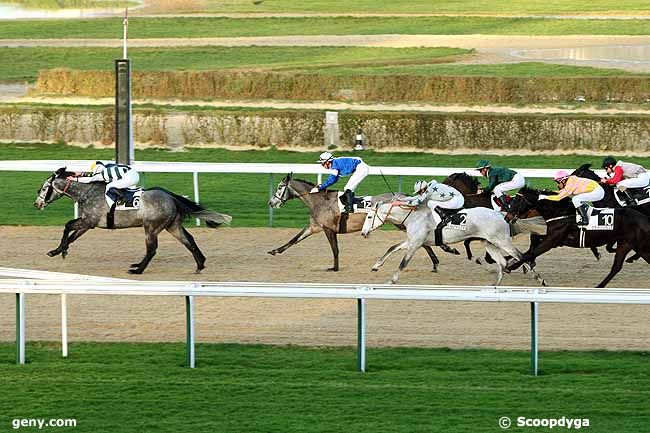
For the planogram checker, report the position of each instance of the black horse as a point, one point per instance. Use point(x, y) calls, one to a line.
point(631, 231)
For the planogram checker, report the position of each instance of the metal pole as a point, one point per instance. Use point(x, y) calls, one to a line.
point(399, 184)
point(20, 328)
point(195, 178)
point(361, 335)
point(76, 210)
point(270, 196)
point(64, 325)
point(319, 178)
point(534, 308)
point(189, 315)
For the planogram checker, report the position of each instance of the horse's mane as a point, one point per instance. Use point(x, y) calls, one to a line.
point(469, 181)
point(63, 173)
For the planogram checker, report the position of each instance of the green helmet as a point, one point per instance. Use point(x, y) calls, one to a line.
point(608, 161)
point(484, 163)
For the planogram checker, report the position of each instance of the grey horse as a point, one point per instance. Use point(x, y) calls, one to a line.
point(325, 216)
point(159, 210)
point(481, 223)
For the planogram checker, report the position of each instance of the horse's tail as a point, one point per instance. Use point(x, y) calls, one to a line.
point(189, 208)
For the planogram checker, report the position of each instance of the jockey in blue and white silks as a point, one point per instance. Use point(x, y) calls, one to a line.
point(344, 166)
point(116, 176)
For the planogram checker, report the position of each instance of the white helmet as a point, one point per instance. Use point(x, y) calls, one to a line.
point(419, 186)
point(97, 166)
point(324, 157)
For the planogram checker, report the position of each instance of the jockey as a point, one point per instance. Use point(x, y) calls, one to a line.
point(580, 189)
point(343, 167)
point(436, 195)
point(116, 176)
point(502, 180)
point(625, 175)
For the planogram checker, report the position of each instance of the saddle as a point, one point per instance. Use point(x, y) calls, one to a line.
point(361, 204)
point(129, 199)
point(448, 217)
point(639, 195)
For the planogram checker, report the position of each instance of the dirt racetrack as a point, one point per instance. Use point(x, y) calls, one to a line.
point(240, 255)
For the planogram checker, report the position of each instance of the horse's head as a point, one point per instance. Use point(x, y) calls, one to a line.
point(375, 218)
point(463, 182)
point(282, 193)
point(585, 171)
point(525, 200)
point(50, 191)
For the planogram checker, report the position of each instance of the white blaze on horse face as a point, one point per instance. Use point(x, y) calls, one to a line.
point(40, 200)
point(279, 198)
point(373, 222)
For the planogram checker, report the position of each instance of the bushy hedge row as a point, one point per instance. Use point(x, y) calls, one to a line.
point(396, 88)
point(305, 129)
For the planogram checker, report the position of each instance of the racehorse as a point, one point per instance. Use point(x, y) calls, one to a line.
point(481, 223)
point(469, 186)
point(325, 216)
point(159, 209)
point(630, 231)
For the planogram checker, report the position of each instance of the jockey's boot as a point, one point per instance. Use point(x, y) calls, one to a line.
point(582, 212)
point(349, 201)
point(110, 217)
point(504, 203)
point(627, 198)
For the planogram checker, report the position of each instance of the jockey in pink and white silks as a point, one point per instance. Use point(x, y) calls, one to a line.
point(436, 195)
point(116, 176)
point(345, 166)
point(581, 191)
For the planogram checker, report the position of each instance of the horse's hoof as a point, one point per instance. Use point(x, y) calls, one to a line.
point(544, 283)
point(272, 252)
point(455, 252)
point(199, 269)
point(64, 254)
point(53, 253)
point(434, 270)
point(630, 260)
point(333, 269)
point(135, 265)
point(136, 271)
point(374, 269)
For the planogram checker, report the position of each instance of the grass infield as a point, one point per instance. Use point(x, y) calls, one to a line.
point(253, 388)
point(244, 196)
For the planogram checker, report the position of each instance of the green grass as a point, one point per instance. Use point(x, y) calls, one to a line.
point(26, 62)
point(253, 388)
point(229, 27)
point(553, 7)
point(527, 69)
point(244, 196)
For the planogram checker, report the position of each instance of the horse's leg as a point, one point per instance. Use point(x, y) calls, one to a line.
point(595, 252)
point(304, 233)
point(334, 244)
point(404, 263)
point(433, 257)
point(449, 250)
point(72, 225)
point(622, 248)
point(547, 243)
point(178, 231)
point(388, 253)
point(499, 260)
point(151, 241)
point(468, 250)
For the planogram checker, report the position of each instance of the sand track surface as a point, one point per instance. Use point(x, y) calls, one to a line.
point(240, 255)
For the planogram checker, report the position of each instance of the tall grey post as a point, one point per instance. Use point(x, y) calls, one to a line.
point(124, 153)
point(332, 133)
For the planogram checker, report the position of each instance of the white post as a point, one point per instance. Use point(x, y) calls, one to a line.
point(125, 23)
point(189, 315)
point(361, 335)
point(20, 328)
point(195, 178)
point(319, 179)
point(76, 210)
point(64, 325)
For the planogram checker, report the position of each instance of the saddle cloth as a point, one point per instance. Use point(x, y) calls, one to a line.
point(600, 219)
point(641, 195)
point(361, 204)
point(130, 199)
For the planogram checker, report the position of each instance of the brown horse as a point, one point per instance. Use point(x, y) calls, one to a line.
point(325, 216)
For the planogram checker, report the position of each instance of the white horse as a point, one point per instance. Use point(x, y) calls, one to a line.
point(481, 223)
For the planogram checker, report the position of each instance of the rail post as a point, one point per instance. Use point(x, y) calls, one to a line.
point(534, 358)
point(189, 317)
point(361, 335)
point(20, 328)
point(195, 178)
point(64, 325)
point(270, 197)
